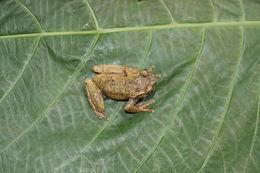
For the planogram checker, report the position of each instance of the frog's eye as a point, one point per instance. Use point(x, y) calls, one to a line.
point(144, 73)
point(150, 69)
point(152, 87)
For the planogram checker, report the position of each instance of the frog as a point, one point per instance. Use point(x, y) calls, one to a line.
point(120, 83)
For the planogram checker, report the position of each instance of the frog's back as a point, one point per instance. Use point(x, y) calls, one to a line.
point(118, 87)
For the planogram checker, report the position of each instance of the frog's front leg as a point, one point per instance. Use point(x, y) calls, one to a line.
point(95, 98)
point(133, 107)
point(147, 72)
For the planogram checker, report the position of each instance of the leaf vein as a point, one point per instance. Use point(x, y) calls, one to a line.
point(242, 9)
point(30, 12)
point(79, 154)
point(93, 14)
point(214, 10)
point(147, 50)
point(22, 71)
point(186, 86)
point(51, 105)
point(223, 159)
point(168, 10)
point(255, 132)
point(181, 157)
point(229, 98)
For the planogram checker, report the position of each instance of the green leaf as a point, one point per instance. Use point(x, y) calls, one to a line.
point(206, 117)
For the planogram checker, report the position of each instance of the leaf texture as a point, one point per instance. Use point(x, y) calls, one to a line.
point(206, 117)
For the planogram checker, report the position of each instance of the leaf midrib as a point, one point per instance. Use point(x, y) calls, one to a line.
point(138, 28)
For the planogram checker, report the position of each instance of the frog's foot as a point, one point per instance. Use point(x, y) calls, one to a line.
point(150, 69)
point(144, 107)
point(132, 107)
point(147, 72)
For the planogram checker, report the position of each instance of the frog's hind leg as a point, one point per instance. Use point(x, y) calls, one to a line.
point(133, 107)
point(95, 98)
point(109, 68)
point(115, 69)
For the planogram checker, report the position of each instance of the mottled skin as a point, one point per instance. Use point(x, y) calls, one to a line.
point(120, 83)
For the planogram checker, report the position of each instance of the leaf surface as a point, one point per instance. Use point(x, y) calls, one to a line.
point(206, 117)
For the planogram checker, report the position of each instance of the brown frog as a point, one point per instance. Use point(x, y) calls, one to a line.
point(120, 83)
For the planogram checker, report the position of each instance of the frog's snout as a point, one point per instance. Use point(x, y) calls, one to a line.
point(151, 88)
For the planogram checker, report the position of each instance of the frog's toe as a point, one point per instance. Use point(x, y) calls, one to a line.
point(148, 104)
point(144, 108)
point(157, 75)
point(132, 107)
point(147, 110)
point(101, 115)
point(150, 69)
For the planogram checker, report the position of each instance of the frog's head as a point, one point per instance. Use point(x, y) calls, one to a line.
point(151, 86)
point(146, 86)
